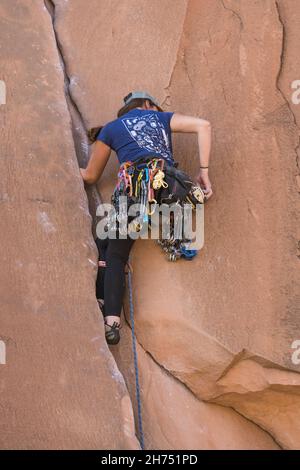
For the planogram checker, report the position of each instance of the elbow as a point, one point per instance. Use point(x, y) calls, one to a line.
point(205, 124)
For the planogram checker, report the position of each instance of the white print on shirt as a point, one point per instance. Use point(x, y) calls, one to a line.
point(149, 133)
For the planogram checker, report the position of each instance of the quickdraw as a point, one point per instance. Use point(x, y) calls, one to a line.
point(197, 193)
point(158, 180)
point(149, 172)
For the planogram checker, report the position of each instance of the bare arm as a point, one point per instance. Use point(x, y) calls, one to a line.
point(191, 124)
point(98, 160)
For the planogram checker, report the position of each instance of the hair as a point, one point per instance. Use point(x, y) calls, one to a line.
point(93, 133)
point(137, 102)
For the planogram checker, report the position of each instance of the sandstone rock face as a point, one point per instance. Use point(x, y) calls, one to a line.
point(60, 387)
point(219, 329)
point(225, 323)
point(174, 418)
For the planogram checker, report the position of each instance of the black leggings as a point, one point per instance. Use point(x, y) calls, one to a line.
point(110, 284)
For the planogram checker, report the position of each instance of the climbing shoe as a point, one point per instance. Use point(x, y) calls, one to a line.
point(112, 335)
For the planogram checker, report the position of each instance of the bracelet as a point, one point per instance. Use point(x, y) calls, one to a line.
point(203, 166)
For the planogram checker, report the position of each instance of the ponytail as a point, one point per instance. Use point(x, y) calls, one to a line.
point(93, 133)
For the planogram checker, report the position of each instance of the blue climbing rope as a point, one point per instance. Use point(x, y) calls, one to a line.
point(137, 384)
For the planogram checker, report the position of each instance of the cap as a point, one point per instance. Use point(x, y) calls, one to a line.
point(141, 94)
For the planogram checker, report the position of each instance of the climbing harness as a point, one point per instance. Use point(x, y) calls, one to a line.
point(158, 180)
point(149, 182)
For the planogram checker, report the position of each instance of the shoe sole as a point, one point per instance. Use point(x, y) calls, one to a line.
point(112, 340)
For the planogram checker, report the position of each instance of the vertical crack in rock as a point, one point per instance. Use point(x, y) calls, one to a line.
point(70, 101)
point(77, 121)
point(283, 48)
point(81, 149)
point(234, 13)
point(176, 57)
point(81, 146)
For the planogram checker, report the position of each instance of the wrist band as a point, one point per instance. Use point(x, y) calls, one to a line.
point(203, 166)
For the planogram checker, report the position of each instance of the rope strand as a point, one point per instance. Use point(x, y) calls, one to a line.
point(137, 384)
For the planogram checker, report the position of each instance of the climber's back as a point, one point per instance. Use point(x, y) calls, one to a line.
point(139, 133)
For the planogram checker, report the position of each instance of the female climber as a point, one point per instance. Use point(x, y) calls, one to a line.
point(140, 133)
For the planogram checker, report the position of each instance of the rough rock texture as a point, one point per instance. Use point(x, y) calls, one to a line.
point(224, 324)
point(174, 418)
point(289, 17)
point(232, 313)
point(236, 306)
point(60, 377)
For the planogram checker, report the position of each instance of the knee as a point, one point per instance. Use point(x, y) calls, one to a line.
point(115, 256)
point(118, 251)
point(102, 247)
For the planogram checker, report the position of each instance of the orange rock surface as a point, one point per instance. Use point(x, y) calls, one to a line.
point(215, 335)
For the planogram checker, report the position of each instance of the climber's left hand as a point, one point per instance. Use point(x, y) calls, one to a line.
point(204, 181)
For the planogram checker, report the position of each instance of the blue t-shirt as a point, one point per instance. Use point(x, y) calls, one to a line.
point(139, 133)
